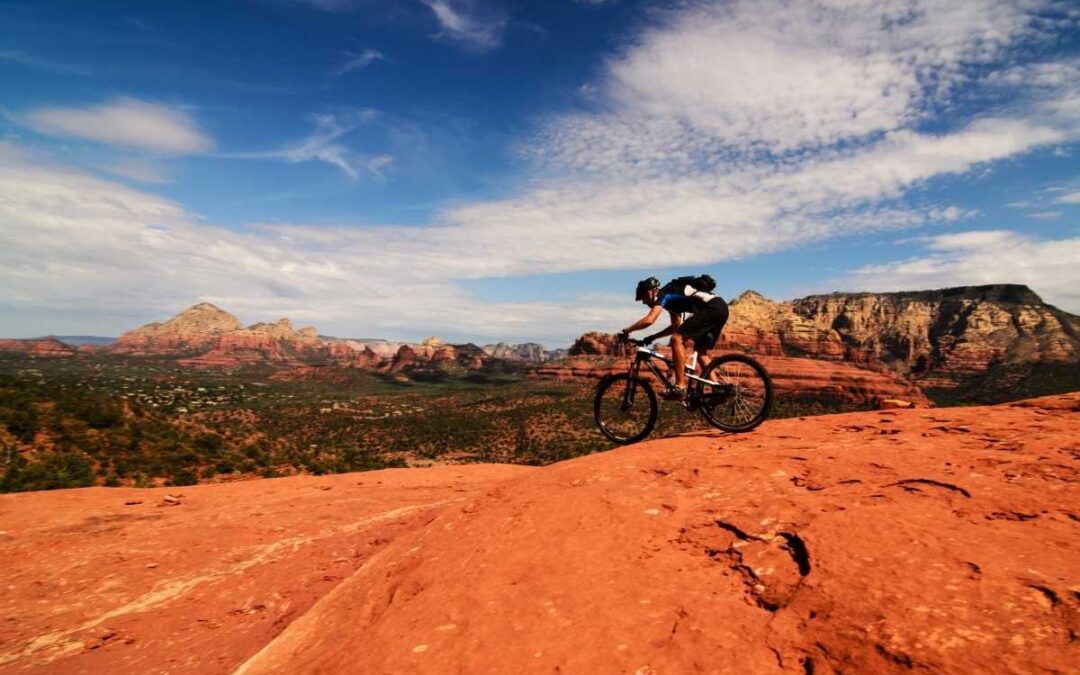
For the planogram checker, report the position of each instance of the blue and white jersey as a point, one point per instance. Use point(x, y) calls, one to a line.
point(677, 303)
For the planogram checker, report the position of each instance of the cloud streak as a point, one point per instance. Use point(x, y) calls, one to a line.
point(359, 60)
point(323, 145)
point(461, 21)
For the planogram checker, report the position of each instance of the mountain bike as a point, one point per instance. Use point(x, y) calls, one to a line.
point(733, 394)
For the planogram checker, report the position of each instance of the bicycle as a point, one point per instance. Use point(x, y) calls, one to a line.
point(733, 394)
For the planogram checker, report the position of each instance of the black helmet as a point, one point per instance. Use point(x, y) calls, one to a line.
point(644, 286)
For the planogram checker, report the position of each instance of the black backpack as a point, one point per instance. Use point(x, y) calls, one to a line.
point(702, 283)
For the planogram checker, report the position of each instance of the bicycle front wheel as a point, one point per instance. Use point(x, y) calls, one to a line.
point(624, 408)
point(739, 395)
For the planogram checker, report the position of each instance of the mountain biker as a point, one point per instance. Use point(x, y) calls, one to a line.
point(684, 295)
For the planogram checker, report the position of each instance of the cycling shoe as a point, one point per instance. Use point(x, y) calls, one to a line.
point(674, 394)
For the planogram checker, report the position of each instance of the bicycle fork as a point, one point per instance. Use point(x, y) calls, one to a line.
point(628, 395)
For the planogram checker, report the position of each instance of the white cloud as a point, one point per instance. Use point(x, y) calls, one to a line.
point(1050, 267)
point(806, 124)
point(1046, 215)
point(359, 60)
point(88, 250)
point(126, 122)
point(782, 75)
point(1069, 198)
point(463, 22)
point(323, 145)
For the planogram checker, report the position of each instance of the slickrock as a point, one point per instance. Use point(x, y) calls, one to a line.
point(196, 580)
point(939, 540)
point(881, 542)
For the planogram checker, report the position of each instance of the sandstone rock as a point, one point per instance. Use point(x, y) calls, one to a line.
point(406, 357)
point(595, 344)
point(895, 404)
point(938, 338)
point(350, 353)
point(527, 352)
point(261, 343)
point(946, 544)
point(48, 347)
point(193, 329)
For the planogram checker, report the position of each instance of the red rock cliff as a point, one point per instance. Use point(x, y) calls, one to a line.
point(934, 337)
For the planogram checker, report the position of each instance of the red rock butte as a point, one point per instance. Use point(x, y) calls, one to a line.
point(941, 540)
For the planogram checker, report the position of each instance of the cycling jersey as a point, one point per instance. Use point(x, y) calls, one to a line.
point(676, 303)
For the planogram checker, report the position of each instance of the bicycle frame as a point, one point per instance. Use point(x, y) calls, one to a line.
point(646, 356)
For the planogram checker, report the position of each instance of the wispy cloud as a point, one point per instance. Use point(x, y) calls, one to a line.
point(467, 24)
point(323, 145)
point(1072, 197)
point(125, 122)
point(359, 60)
point(31, 61)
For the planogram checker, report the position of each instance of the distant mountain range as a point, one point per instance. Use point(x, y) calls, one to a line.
point(937, 339)
point(986, 343)
point(204, 335)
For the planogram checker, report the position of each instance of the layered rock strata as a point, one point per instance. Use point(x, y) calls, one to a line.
point(936, 338)
point(193, 330)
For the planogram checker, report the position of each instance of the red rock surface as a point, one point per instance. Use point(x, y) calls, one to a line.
point(124, 581)
point(40, 347)
point(940, 540)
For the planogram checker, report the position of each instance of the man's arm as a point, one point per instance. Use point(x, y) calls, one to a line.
point(645, 321)
point(676, 321)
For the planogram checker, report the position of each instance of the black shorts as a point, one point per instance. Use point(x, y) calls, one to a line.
point(705, 325)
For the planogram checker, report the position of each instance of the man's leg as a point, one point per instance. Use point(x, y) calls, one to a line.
point(678, 355)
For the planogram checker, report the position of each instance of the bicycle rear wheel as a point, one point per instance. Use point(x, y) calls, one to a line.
point(742, 394)
point(624, 408)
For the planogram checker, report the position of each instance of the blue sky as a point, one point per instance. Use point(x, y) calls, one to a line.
point(484, 170)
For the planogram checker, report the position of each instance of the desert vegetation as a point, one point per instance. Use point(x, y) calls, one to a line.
point(112, 420)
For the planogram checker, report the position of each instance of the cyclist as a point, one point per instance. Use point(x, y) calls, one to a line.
point(699, 333)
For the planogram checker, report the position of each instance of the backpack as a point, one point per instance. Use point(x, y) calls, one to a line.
point(702, 283)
